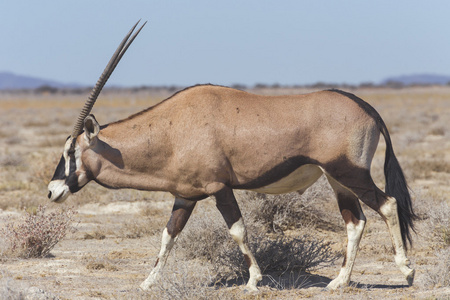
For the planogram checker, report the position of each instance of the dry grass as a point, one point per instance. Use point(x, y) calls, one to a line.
point(439, 274)
point(99, 263)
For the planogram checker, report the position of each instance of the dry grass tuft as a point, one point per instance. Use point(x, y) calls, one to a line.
point(139, 228)
point(94, 236)
point(99, 263)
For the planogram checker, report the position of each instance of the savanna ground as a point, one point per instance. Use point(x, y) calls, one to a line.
point(117, 232)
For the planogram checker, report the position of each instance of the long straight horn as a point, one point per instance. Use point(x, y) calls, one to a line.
point(126, 42)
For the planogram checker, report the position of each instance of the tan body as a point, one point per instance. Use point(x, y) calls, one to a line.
point(208, 140)
point(231, 138)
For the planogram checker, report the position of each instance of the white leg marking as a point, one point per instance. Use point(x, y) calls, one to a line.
point(354, 233)
point(167, 243)
point(389, 211)
point(239, 234)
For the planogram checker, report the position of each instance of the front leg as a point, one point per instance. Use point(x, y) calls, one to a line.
point(228, 207)
point(181, 212)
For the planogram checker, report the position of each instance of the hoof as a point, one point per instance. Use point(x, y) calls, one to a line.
point(250, 289)
point(145, 286)
point(335, 284)
point(410, 277)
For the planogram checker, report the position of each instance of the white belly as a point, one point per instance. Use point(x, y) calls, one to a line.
point(299, 180)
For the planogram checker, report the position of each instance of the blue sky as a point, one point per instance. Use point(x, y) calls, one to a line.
point(226, 42)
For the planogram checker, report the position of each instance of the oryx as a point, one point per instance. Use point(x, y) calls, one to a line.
point(208, 140)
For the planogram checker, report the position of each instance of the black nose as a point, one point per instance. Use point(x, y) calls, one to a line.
point(49, 195)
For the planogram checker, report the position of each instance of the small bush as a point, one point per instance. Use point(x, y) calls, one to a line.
point(274, 212)
point(38, 232)
point(207, 238)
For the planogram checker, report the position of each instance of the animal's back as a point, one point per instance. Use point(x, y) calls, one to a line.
point(256, 133)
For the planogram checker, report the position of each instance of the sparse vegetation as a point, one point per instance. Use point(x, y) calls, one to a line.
point(207, 238)
point(439, 274)
point(38, 232)
point(439, 220)
point(121, 229)
point(99, 263)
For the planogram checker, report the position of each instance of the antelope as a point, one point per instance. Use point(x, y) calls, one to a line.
point(208, 140)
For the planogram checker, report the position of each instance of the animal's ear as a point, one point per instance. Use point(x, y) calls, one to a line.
point(91, 128)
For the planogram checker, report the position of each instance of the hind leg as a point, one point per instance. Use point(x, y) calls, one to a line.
point(361, 184)
point(388, 211)
point(354, 221)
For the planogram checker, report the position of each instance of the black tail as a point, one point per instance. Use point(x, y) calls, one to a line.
point(396, 187)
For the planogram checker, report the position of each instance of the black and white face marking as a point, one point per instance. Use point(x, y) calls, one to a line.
point(68, 178)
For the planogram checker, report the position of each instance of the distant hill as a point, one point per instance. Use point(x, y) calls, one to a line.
point(11, 81)
point(424, 79)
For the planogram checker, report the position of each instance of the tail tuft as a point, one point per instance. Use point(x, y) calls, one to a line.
point(396, 187)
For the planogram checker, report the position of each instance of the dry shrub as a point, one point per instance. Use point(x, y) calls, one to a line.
point(439, 275)
point(207, 238)
point(266, 218)
point(292, 254)
point(275, 213)
point(38, 232)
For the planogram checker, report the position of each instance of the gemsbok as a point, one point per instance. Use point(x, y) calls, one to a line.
point(208, 140)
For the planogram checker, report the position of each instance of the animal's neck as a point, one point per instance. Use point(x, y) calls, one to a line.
point(121, 160)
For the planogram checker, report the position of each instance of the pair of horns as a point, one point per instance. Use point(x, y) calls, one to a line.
point(126, 42)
